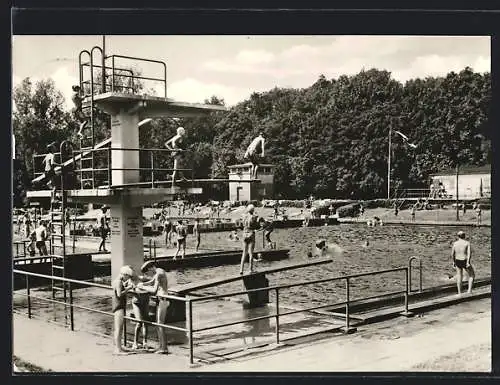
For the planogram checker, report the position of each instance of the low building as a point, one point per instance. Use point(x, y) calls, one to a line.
point(473, 182)
point(247, 191)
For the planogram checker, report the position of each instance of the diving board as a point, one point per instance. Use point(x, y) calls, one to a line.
point(72, 160)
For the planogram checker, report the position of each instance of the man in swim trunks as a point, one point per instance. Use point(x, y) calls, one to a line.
point(167, 229)
point(41, 236)
point(461, 255)
point(119, 303)
point(196, 232)
point(158, 286)
point(176, 145)
point(255, 151)
point(181, 231)
point(250, 224)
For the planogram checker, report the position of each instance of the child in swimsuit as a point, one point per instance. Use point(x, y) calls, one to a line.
point(119, 302)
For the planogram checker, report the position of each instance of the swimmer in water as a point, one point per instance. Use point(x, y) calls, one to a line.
point(325, 250)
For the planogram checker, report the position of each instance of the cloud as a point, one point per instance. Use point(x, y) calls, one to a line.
point(405, 56)
point(196, 91)
point(63, 81)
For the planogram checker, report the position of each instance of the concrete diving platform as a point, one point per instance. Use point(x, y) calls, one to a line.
point(136, 196)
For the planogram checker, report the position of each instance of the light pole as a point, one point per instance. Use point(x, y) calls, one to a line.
point(456, 193)
point(389, 164)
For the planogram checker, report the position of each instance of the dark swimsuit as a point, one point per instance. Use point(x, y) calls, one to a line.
point(461, 263)
point(141, 300)
point(119, 303)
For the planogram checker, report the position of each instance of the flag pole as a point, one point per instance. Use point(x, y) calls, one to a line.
point(389, 164)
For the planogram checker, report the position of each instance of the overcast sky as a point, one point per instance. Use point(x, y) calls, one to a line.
point(232, 67)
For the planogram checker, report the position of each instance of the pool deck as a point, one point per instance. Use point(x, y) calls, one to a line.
point(408, 221)
point(385, 346)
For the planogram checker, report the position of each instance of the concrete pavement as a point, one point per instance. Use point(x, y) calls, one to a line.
point(395, 345)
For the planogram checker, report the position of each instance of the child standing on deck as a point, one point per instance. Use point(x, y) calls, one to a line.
point(119, 303)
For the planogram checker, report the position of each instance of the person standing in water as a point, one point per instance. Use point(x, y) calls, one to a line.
point(250, 224)
point(254, 152)
point(461, 255)
point(177, 146)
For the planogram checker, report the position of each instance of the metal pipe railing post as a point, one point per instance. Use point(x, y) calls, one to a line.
point(28, 294)
point(420, 271)
point(74, 233)
point(407, 273)
point(113, 73)
point(410, 260)
point(190, 330)
point(154, 250)
point(152, 170)
point(71, 314)
point(277, 316)
point(109, 166)
point(125, 331)
point(347, 299)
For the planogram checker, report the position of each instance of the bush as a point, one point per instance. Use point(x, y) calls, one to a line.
point(350, 210)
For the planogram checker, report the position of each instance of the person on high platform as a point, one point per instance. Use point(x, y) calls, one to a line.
point(77, 100)
point(177, 146)
point(255, 151)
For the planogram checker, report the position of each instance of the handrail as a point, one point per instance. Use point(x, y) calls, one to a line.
point(189, 300)
point(303, 283)
point(410, 260)
point(163, 64)
point(93, 284)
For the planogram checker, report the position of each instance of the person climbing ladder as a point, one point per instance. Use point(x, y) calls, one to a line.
point(77, 100)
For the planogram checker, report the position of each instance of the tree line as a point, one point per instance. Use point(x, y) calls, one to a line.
point(328, 140)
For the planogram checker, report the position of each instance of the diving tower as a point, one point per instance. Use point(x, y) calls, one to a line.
point(119, 167)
